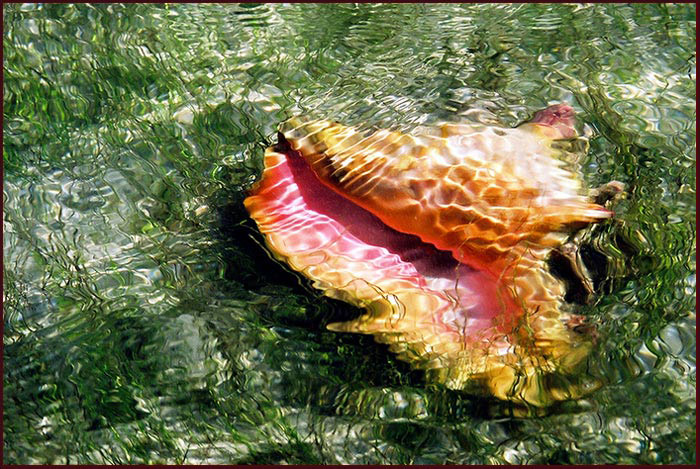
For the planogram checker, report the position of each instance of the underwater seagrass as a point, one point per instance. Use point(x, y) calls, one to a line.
point(442, 237)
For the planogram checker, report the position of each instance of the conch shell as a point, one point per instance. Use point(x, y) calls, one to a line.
point(441, 237)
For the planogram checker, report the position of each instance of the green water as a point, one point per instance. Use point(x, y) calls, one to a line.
point(143, 322)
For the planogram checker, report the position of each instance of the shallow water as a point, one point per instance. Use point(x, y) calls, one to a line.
point(143, 321)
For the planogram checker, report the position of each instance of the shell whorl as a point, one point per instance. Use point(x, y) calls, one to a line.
point(489, 195)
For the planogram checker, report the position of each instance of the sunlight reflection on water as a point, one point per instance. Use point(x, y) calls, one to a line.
point(145, 324)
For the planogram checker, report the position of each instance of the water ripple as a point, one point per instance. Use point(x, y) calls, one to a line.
point(144, 323)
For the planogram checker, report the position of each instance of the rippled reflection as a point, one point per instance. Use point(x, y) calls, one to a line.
point(144, 322)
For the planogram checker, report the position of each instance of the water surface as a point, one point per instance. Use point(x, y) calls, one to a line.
point(143, 321)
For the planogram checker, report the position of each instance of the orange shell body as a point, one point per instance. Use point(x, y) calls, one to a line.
point(472, 302)
point(487, 194)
